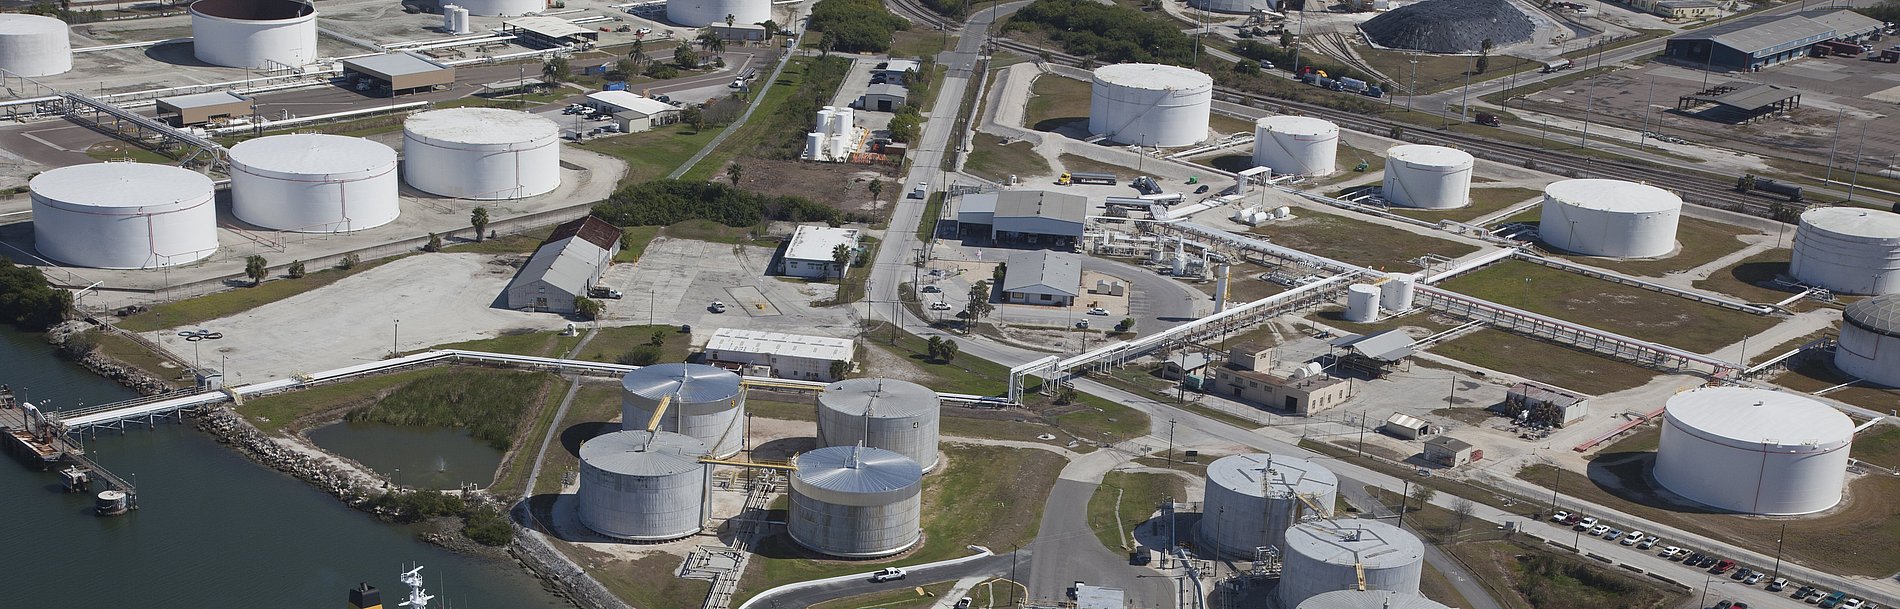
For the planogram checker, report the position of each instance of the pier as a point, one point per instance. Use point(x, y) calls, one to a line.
point(42, 442)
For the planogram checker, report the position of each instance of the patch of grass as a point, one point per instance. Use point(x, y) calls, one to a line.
point(1357, 241)
point(520, 342)
point(911, 597)
point(851, 288)
point(1435, 73)
point(1054, 100)
point(968, 374)
point(779, 406)
point(1129, 498)
point(1811, 374)
point(116, 151)
point(995, 161)
point(1434, 585)
point(920, 42)
point(594, 406)
point(773, 116)
point(1222, 123)
point(634, 241)
point(1534, 577)
point(1484, 201)
point(1348, 158)
point(1702, 242)
point(714, 232)
point(192, 311)
point(274, 413)
point(646, 582)
point(511, 479)
point(652, 154)
point(611, 343)
point(1076, 162)
point(523, 243)
point(1092, 418)
point(490, 404)
point(1750, 279)
point(1600, 304)
point(1546, 362)
point(933, 211)
point(136, 355)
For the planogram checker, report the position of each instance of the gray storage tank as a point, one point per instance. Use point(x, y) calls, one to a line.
point(1325, 556)
point(703, 403)
point(856, 502)
point(1252, 499)
point(1370, 599)
point(643, 486)
point(898, 416)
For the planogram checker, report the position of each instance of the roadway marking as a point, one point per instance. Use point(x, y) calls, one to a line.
point(15, 213)
point(29, 135)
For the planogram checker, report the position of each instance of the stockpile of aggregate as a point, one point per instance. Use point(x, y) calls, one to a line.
point(1449, 26)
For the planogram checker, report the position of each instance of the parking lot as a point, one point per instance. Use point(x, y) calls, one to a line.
point(1725, 583)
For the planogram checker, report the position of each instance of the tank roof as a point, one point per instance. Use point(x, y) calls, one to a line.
point(1371, 543)
point(642, 453)
point(1369, 599)
point(254, 10)
point(1854, 222)
point(122, 185)
point(1423, 154)
point(1283, 476)
point(1879, 314)
point(312, 154)
point(880, 398)
point(16, 24)
point(857, 469)
point(1153, 76)
point(690, 383)
point(1748, 417)
point(1613, 196)
point(480, 126)
point(1297, 125)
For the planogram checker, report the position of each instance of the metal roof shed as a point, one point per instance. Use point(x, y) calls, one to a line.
point(402, 71)
point(201, 108)
point(553, 31)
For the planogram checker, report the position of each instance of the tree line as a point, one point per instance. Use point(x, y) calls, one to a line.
point(1107, 32)
point(855, 26)
point(669, 201)
point(26, 299)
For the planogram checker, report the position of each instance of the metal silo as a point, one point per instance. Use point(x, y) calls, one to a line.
point(259, 34)
point(33, 46)
point(1296, 145)
point(313, 183)
point(1362, 303)
point(702, 402)
point(898, 416)
point(1147, 104)
point(1754, 451)
point(124, 215)
point(1427, 177)
point(1870, 340)
point(1610, 218)
point(1253, 499)
point(481, 153)
point(1326, 556)
point(1369, 599)
point(856, 502)
point(1848, 250)
point(643, 486)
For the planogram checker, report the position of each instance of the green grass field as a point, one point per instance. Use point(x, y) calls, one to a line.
point(230, 302)
point(995, 161)
point(652, 154)
point(1138, 495)
point(1055, 100)
point(1357, 241)
point(1546, 362)
point(1624, 309)
point(1484, 201)
point(1702, 241)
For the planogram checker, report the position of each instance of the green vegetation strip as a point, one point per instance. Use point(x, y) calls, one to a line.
point(1624, 309)
point(1127, 499)
point(995, 161)
point(489, 404)
point(230, 302)
point(652, 154)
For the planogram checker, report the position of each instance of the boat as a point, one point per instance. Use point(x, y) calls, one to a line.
point(365, 596)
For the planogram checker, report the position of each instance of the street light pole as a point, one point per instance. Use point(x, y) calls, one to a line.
point(1170, 441)
point(1778, 539)
point(395, 340)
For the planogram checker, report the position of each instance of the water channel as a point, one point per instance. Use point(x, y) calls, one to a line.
point(423, 457)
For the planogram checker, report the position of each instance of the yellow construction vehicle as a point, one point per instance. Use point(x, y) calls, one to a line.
point(1065, 180)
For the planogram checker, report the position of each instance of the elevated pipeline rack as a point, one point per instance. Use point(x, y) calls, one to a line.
point(41, 442)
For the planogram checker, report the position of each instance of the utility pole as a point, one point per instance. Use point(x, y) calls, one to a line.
point(1170, 441)
point(1834, 144)
point(1855, 181)
point(1778, 540)
point(1464, 112)
point(1640, 140)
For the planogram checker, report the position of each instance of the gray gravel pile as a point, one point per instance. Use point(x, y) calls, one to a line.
point(1449, 26)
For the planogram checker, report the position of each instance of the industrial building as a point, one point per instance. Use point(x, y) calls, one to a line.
point(1753, 451)
point(400, 72)
point(1427, 177)
point(1752, 43)
point(884, 97)
point(1180, 366)
point(1036, 217)
point(565, 267)
point(501, 8)
point(1609, 218)
point(1736, 102)
point(547, 32)
point(1869, 346)
point(1451, 452)
point(1295, 145)
point(1369, 599)
point(634, 113)
point(124, 215)
point(1042, 278)
point(255, 34)
point(1683, 9)
point(738, 31)
point(1324, 556)
point(1405, 426)
point(1304, 390)
point(1146, 104)
point(897, 71)
point(790, 356)
point(1536, 404)
point(856, 502)
point(1252, 499)
point(1235, 7)
point(891, 414)
point(34, 46)
point(481, 153)
point(1376, 354)
point(644, 486)
point(202, 108)
point(813, 252)
point(1848, 250)
point(313, 183)
point(702, 13)
point(701, 402)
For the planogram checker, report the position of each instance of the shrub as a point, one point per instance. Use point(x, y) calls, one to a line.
point(26, 299)
point(669, 201)
point(349, 261)
point(1109, 33)
point(640, 355)
point(856, 26)
point(488, 527)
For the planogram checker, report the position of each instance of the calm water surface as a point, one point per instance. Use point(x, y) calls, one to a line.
point(426, 457)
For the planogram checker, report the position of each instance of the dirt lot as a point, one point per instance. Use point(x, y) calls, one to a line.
point(842, 186)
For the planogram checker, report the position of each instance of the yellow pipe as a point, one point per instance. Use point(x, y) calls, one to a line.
point(658, 411)
point(756, 383)
point(778, 466)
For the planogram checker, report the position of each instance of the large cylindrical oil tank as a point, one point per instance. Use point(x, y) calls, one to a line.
point(1148, 104)
point(856, 502)
point(124, 215)
point(313, 183)
point(1427, 177)
point(1753, 451)
point(643, 486)
point(1610, 218)
point(1397, 291)
point(1369, 599)
point(1295, 145)
point(1849, 250)
point(260, 34)
point(898, 416)
point(481, 153)
point(502, 8)
point(1327, 556)
point(1252, 499)
point(1869, 347)
point(32, 45)
point(702, 13)
point(1236, 7)
point(1362, 303)
point(702, 402)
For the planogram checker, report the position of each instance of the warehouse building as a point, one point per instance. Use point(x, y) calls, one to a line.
point(1305, 390)
point(1043, 278)
point(548, 32)
point(1756, 42)
point(1451, 452)
point(400, 72)
point(632, 112)
point(568, 264)
point(884, 97)
point(812, 254)
point(790, 356)
point(1038, 217)
point(188, 110)
point(1535, 404)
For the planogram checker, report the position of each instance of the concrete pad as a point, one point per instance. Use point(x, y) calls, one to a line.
point(752, 301)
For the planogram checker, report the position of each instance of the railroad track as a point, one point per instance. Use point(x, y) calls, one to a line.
point(916, 12)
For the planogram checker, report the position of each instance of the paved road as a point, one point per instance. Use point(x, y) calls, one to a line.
point(992, 566)
point(1067, 551)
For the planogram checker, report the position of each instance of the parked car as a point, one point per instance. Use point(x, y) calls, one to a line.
point(1599, 530)
point(1740, 574)
point(1082, 324)
point(1754, 578)
point(1777, 584)
point(1692, 559)
point(601, 291)
point(1815, 597)
point(1648, 542)
point(716, 307)
point(1852, 603)
point(1738, 605)
point(1723, 566)
point(962, 603)
point(1632, 538)
point(1097, 311)
point(888, 574)
point(1613, 535)
point(1833, 600)
point(1725, 604)
point(931, 289)
point(1669, 552)
point(939, 306)
point(1560, 516)
point(1586, 523)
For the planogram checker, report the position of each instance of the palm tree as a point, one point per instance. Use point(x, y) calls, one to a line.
point(733, 172)
point(553, 69)
point(712, 42)
point(730, 19)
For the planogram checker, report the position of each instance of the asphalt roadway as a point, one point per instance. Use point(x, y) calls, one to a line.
point(1066, 551)
point(989, 566)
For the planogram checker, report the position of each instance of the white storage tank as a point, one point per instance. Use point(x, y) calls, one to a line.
point(824, 120)
point(481, 153)
point(124, 215)
point(1753, 451)
point(454, 19)
point(856, 502)
point(1251, 501)
point(1869, 347)
point(1148, 104)
point(502, 8)
point(703, 403)
point(1427, 177)
point(1396, 293)
point(32, 45)
point(1362, 303)
point(1610, 218)
point(702, 13)
point(313, 183)
point(1326, 556)
point(1848, 250)
point(643, 486)
point(1296, 145)
point(1370, 599)
point(258, 34)
point(815, 146)
point(1235, 7)
point(898, 416)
